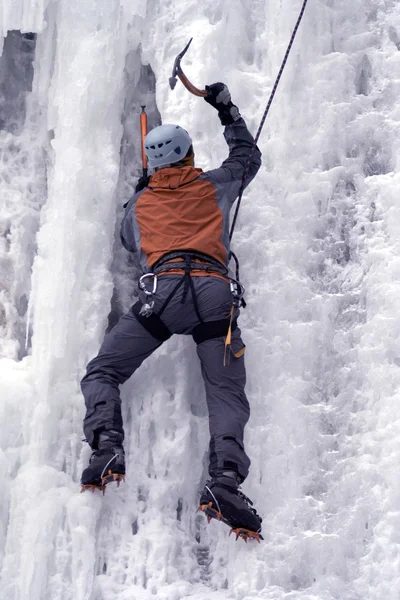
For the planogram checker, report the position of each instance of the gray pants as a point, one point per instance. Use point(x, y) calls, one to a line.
point(128, 344)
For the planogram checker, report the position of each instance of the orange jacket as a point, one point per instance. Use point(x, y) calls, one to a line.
point(184, 208)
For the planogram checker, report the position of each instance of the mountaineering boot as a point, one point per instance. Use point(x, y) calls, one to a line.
point(221, 499)
point(106, 464)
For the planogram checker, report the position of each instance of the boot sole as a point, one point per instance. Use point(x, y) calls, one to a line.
point(109, 478)
point(241, 532)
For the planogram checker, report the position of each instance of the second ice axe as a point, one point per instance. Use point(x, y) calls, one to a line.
point(143, 131)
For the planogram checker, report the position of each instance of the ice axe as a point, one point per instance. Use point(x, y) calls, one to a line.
point(177, 71)
point(143, 132)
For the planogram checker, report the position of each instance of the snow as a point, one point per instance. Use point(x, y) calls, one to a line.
point(319, 242)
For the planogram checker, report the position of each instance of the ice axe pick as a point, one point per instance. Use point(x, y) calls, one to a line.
point(177, 72)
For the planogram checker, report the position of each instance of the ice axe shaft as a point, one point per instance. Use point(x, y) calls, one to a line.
point(143, 130)
point(177, 72)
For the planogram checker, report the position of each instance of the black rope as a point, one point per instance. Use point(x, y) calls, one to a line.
point(264, 117)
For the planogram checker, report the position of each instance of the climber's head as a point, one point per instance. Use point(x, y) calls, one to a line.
point(167, 145)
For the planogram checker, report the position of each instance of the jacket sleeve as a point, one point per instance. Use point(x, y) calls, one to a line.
point(127, 234)
point(240, 143)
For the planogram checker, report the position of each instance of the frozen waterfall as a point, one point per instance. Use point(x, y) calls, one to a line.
point(319, 242)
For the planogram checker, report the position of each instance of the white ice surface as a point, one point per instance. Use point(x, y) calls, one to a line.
point(319, 242)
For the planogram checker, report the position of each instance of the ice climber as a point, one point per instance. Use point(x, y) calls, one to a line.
point(179, 225)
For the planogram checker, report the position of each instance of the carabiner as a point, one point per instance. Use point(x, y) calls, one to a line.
point(237, 290)
point(142, 284)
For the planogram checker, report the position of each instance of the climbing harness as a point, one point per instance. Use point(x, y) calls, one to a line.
point(177, 71)
point(187, 261)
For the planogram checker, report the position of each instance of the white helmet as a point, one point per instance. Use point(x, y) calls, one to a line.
point(166, 144)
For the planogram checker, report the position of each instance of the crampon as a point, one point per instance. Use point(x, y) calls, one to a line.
point(240, 532)
point(109, 478)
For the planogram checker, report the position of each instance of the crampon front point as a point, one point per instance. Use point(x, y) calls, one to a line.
point(109, 478)
point(241, 532)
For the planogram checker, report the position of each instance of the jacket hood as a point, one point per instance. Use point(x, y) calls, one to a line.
point(173, 177)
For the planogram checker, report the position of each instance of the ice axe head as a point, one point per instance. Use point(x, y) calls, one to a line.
point(177, 72)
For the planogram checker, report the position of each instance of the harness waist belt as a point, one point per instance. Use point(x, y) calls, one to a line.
point(169, 262)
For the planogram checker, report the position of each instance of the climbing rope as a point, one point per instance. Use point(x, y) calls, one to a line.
point(260, 129)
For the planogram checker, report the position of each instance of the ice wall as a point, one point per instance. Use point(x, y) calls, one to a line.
point(318, 241)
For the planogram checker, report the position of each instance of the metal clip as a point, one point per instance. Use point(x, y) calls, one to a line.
point(147, 309)
point(142, 284)
point(237, 291)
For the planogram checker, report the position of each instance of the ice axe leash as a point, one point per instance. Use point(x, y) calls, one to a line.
point(177, 71)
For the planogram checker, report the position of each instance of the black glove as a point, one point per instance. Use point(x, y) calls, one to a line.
point(220, 98)
point(142, 183)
